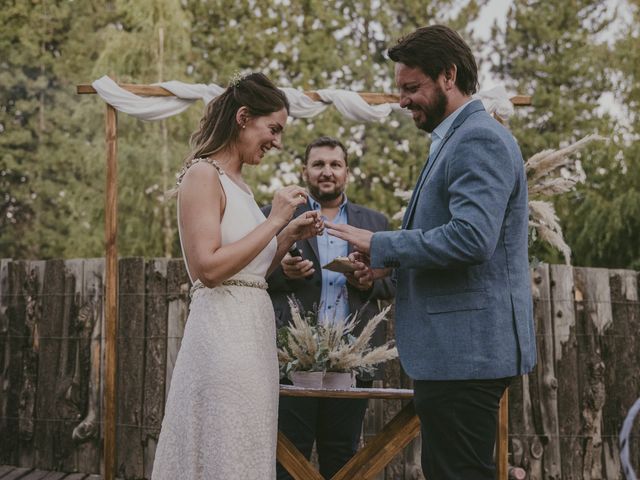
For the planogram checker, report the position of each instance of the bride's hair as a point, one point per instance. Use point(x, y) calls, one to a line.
point(218, 127)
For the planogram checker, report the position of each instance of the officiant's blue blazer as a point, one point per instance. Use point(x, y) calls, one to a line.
point(463, 293)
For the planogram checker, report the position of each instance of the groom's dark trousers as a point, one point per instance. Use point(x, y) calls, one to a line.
point(458, 424)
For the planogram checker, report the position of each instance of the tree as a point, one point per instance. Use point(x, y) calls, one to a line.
point(606, 225)
point(553, 50)
point(39, 140)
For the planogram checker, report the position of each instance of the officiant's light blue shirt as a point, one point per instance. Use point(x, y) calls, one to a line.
point(334, 303)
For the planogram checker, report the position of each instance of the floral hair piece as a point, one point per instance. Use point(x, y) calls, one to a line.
point(236, 78)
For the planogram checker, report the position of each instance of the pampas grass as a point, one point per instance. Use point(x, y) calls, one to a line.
point(305, 345)
point(547, 176)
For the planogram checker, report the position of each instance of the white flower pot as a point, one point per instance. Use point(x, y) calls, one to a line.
point(338, 380)
point(307, 379)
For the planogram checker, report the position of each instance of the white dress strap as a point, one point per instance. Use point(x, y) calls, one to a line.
point(181, 175)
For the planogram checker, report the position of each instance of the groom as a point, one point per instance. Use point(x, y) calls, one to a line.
point(464, 321)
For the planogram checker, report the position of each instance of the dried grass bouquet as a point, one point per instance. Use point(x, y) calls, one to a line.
point(307, 345)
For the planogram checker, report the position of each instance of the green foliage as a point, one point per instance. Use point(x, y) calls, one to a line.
point(52, 142)
point(556, 52)
point(44, 143)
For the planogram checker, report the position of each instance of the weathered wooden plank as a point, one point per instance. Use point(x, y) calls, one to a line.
point(546, 401)
point(18, 337)
point(566, 355)
point(86, 431)
point(56, 476)
point(5, 469)
point(33, 295)
point(517, 442)
point(17, 474)
point(70, 394)
point(526, 393)
point(51, 331)
point(594, 318)
point(131, 328)
point(8, 409)
point(35, 475)
point(621, 356)
point(177, 310)
point(76, 476)
point(393, 379)
point(155, 358)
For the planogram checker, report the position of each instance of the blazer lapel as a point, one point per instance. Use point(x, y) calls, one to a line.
point(473, 107)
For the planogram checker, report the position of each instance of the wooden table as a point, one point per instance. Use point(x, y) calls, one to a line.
point(375, 455)
point(385, 445)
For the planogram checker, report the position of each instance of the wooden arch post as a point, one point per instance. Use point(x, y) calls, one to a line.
point(111, 274)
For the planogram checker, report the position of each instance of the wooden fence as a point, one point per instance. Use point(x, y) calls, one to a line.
point(564, 418)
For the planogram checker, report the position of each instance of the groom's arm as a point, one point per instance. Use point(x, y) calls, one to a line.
point(480, 178)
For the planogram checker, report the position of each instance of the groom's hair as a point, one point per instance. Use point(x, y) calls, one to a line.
point(325, 142)
point(433, 50)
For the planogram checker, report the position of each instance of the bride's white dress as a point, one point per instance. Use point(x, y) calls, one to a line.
point(221, 413)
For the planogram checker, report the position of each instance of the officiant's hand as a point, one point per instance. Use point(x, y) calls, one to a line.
point(296, 268)
point(358, 237)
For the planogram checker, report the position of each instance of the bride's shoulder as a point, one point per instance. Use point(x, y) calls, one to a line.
point(201, 179)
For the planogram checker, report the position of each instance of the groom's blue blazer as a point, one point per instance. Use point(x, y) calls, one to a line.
point(463, 293)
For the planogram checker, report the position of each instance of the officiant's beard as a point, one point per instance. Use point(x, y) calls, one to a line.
point(325, 196)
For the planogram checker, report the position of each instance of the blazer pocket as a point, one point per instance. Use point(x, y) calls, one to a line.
point(458, 302)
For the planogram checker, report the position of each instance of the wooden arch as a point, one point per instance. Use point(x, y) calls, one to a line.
point(111, 271)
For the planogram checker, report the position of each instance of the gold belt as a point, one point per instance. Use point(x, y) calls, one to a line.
point(261, 284)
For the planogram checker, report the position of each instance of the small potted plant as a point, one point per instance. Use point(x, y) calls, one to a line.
point(308, 350)
point(300, 355)
point(349, 354)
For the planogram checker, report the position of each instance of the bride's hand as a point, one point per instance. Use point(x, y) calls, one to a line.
point(307, 225)
point(285, 202)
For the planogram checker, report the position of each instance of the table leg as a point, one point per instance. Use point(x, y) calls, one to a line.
point(502, 438)
point(294, 462)
point(376, 454)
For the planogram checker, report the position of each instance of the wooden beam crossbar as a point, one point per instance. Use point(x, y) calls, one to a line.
point(370, 98)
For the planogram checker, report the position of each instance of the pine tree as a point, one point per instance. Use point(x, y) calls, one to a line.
point(553, 50)
point(606, 224)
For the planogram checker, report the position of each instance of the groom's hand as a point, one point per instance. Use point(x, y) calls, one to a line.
point(358, 237)
point(362, 277)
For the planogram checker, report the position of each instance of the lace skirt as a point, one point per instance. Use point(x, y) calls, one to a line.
point(221, 413)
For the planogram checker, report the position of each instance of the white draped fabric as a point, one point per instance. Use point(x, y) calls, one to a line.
point(348, 103)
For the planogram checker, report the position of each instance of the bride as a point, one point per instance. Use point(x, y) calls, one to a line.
point(221, 413)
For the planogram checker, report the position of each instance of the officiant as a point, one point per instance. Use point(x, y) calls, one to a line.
point(335, 424)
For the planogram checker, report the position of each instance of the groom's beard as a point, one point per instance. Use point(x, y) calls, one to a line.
point(433, 113)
